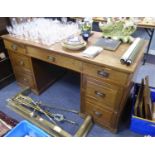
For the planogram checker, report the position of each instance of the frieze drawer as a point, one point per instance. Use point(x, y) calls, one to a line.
point(56, 59)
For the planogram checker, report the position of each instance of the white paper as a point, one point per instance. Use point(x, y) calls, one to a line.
point(92, 51)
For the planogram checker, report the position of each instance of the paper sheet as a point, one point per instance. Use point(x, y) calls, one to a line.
point(92, 51)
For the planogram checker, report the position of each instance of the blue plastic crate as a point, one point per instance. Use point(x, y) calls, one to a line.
point(26, 129)
point(140, 125)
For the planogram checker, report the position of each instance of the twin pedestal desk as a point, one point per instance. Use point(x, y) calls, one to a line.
point(105, 82)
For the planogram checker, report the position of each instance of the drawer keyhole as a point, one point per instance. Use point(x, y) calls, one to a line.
point(103, 73)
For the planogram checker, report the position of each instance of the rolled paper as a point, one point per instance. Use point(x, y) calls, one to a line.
point(128, 62)
point(130, 50)
point(135, 52)
point(122, 61)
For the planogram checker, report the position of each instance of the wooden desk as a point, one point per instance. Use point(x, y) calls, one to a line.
point(105, 82)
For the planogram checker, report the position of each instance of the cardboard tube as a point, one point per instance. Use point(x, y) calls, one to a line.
point(130, 50)
point(134, 53)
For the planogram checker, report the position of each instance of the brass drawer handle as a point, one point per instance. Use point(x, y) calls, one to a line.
point(51, 58)
point(26, 80)
point(14, 47)
point(98, 114)
point(103, 73)
point(97, 93)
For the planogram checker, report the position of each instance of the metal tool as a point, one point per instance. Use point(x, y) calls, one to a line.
point(44, 112)
point(49, 127)
point(55, 107)
point(26, 101)
point(40, 103)
point(33, 113)
point(61, 118)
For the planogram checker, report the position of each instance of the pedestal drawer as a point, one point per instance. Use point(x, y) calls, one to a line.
point(104, 73)
point(100, 115)
point(20, 61)
point(17, 48)
point(24, 79)
point(103, 94)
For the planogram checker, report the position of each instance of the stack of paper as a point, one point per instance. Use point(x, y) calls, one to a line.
point(92, 51)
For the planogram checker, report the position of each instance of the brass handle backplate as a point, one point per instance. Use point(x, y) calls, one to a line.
point(97, 93)
point(51, 58)
point(26, 80)
point(103, 73)
point(98, 114)
point(14, 47)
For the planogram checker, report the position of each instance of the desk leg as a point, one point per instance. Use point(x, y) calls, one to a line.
point(150, 33)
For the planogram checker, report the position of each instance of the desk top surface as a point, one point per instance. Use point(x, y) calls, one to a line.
point(109, 59)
